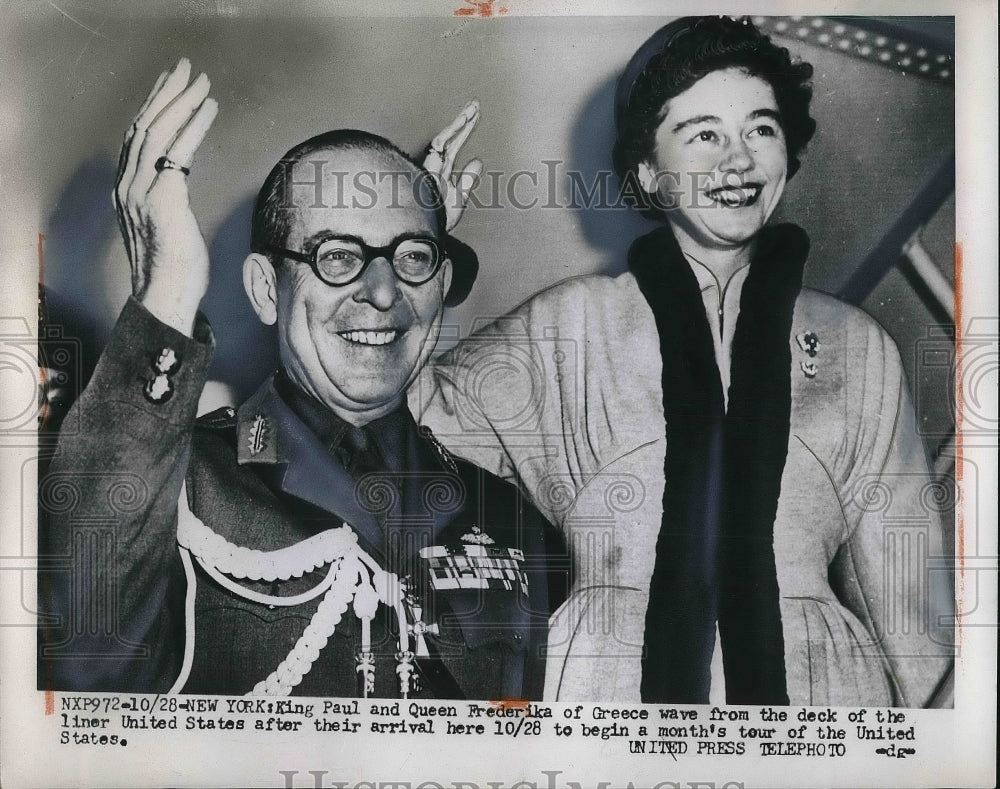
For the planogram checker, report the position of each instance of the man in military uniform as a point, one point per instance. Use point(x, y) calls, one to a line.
point(314, 540)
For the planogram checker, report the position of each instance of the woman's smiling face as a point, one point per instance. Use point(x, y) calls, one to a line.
point(720, 161)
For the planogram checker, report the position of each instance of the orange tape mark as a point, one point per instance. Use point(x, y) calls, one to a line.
point(959, 464)
point(958, 393)
point(43, 373)
point(480, 8)
point(50, 702)
point(510, 704)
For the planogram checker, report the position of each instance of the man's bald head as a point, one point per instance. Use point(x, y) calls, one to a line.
point(283, 191)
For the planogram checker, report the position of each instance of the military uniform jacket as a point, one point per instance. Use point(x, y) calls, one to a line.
point(261, 479)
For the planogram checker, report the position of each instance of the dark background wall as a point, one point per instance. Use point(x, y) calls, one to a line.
point(545, 85)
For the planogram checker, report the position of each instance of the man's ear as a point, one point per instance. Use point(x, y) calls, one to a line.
point(446, 272)
point(647, 177)
point(260, 281)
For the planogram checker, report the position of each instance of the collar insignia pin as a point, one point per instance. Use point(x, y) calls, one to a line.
point(442, 453)
point(257, 440)
point(809, 369)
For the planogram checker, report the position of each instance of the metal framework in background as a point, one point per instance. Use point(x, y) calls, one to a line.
point(923, 47)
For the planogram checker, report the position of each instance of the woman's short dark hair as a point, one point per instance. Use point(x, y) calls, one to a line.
point(684, 51)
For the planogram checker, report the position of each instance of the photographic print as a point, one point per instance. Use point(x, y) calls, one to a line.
point(498, 394)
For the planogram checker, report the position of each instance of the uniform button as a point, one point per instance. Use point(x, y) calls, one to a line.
point(167, 362)
point(158, 389)
point(518, 638)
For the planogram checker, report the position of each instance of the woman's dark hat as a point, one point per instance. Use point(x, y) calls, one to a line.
point(662, 39)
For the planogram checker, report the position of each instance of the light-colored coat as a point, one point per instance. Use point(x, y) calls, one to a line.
point(564, 395)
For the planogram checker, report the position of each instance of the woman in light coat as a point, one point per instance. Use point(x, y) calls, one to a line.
point(732, 457)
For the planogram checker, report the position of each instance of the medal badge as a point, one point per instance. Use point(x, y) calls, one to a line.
point(475, 563)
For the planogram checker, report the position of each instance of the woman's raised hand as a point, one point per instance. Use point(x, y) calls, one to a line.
point(440, 162)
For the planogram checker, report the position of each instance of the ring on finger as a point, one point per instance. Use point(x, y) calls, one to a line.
point(166, 163)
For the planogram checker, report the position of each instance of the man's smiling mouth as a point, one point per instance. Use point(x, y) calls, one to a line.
point(381, 337)
point(736, 196)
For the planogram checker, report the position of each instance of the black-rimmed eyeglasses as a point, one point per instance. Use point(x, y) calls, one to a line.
point(341, 260)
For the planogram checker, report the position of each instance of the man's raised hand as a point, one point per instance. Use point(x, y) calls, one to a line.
point(440, 162)
point(165, 247)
